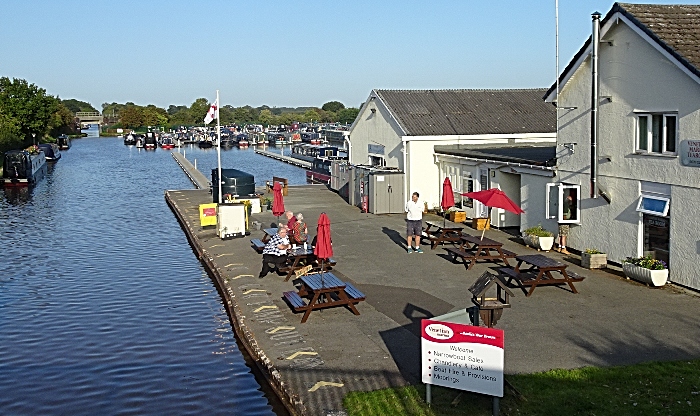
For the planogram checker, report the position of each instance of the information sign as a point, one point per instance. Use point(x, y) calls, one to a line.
point(463, 357)
point(690, 153)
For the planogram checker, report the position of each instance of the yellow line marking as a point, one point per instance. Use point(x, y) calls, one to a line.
point(293, 356)
point(253, 290)
point(324, 384)
point(217, 245)
point(264, 307)
point(241, 275)
point(280, 328)
point(225, 254)
point(235, 264)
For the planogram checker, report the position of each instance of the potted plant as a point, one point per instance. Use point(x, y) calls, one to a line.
point(266, 202)
point(539, 238)
point(646, 270)
point(592, 258)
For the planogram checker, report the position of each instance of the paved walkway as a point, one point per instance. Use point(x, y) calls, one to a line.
point(612, 321)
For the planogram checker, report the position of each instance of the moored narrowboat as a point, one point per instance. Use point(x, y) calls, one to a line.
point(21, 168)
point(63, 142)
point(51, 151)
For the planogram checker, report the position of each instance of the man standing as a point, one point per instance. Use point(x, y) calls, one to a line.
point(275, 252)
point(414, 222)
point(564, 228)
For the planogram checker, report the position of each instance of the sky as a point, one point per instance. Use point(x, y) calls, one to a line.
point(285, 53)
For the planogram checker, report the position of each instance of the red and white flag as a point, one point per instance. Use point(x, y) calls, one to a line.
point(213, 113)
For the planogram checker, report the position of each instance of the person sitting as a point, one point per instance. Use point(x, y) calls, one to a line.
point(299, 232)
point(275, 252)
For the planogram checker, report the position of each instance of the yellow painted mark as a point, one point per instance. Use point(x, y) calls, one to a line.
point(217, 245)
point(253, 290)
point(263, 307)
point(235, 264)
point(280, 328)
point(324, 384)
point(241, 275)
point(225, 254)
point(298, 353)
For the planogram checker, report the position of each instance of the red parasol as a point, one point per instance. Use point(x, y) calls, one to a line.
point(448, 197)
point(323, 249)
point(494, 198)
point(277, 200)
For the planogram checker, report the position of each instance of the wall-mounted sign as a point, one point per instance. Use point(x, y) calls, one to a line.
point(690, 153)
point(377, 149)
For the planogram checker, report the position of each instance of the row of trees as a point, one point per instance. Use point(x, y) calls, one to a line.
point(28, 114)
point(130, 115)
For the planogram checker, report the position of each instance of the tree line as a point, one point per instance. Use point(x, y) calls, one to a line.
point(130, 115)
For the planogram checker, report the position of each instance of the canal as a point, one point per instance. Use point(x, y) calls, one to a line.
point(104, 308)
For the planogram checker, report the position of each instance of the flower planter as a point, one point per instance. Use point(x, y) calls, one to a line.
point(594, 261)
point(481, 223)
point(540, 243)
point(648, 276)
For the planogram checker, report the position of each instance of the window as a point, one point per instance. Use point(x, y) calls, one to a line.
point(563, 202)
point(656, 133)
point(655, 205)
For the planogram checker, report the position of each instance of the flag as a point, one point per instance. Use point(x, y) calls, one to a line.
point(213, 113)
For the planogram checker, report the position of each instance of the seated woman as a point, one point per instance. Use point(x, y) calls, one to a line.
point(300, 233)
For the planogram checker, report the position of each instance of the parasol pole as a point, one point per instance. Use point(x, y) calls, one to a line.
point(488, 219)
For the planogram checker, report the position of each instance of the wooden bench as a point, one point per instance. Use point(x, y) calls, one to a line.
point(295, 301)
point(284, 184)
point(258, 245)
point(575, 277)
point(354, 294)
point(456, 252)
point(509, 254)
point(522, 277)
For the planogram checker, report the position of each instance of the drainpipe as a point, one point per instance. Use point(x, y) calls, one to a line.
point(595, 40)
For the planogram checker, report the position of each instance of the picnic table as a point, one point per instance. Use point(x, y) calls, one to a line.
point(473, 248)
point(269, 233)
point(325, 291)
point(259, 244)
point(438, 232)
point(539, 272)
point(299, 258)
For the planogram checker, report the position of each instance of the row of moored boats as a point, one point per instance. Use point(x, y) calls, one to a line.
point(27, 166)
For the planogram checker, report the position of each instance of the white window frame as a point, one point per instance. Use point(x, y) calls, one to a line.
point(649, 117)
point(559, 214)
point(663, 213)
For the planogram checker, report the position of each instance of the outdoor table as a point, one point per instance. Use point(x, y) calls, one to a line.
point(474, 248)
point(539, 273)
point(298, 258)
point(325, 290)
point(438, 232)
point(269, 233)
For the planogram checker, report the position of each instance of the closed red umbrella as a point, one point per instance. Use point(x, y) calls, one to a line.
point(277, 200)
point(494, 198)
point(448, 197)
point(323, 249)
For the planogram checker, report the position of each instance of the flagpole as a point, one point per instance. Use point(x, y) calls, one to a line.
point(218, 142)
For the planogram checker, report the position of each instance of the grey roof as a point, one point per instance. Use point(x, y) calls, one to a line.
point(676, 28)
point(537, 155)
point(469, 112)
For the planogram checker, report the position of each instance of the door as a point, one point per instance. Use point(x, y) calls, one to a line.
point(481, 209)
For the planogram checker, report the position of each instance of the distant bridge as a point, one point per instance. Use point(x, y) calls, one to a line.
point(89, 117)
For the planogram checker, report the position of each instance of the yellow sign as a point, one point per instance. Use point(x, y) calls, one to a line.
point(207, 214)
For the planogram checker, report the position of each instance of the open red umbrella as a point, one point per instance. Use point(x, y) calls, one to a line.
point(494, 198)
point(448, 197)
point(323, 249)
point(277, 200)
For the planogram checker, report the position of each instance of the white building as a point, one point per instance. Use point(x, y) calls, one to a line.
point(647, 169)
point(400, 129)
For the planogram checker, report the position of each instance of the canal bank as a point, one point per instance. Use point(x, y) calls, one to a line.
point(313, 365)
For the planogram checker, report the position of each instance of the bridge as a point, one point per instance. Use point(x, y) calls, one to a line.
point(89, 117)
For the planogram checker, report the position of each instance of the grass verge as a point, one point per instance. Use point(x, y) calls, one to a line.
point(658, 388)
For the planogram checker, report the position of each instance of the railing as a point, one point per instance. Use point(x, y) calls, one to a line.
point(88, 114)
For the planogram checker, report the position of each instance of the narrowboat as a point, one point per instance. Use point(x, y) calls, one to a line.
point(51, 151)
point(63, 142)
point(130, 139)
point(150, 142)
point(21, 168)
point(309, 152)
point(167, 143)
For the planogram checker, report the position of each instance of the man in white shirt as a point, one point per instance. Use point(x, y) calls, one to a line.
point(414, 222)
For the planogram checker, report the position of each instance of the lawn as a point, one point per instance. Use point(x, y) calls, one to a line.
point(658, 388)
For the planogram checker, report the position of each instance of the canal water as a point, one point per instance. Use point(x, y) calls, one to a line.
point(104, 308)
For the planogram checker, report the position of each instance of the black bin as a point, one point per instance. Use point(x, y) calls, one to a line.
point(233, 181)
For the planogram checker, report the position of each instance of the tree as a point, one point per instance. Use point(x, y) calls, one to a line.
point(154, 116)
point(29, 106)
point(199, 109)
point(131, 117)
point(333, 106)
point(77, 105)
point(348, 115)
point(62, 121)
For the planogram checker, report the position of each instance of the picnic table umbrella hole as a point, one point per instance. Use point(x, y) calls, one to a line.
point(494, 198)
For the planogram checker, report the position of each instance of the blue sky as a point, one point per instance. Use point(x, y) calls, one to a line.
point(285, 53)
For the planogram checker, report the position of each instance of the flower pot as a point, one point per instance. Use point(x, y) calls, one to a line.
point(594, 261)
point(648, 276)
point(540, 243)
point(480, 223)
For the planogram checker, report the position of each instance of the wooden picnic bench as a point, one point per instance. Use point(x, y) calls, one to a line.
point(325, 291)
point(438, 232)
point(539, 273)
point(474, 248)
